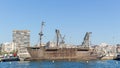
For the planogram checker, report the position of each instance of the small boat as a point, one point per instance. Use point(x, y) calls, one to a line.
point(11, 58)
point(117, 57)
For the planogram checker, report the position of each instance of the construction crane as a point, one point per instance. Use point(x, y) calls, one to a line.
point(41, 33)
point(86, 42)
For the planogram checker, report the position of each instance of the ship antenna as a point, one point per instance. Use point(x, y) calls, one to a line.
point(41, 33)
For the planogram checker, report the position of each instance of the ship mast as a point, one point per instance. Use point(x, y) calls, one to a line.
point(41, 33)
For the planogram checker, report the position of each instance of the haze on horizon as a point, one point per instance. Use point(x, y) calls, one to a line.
point(73, 18)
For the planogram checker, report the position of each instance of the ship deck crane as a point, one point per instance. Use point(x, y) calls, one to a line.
point(86, 42)
point(60, 39)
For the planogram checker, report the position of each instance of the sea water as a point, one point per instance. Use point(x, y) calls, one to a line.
point(61, 64)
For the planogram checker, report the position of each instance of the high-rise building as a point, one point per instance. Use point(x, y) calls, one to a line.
point(21, 38)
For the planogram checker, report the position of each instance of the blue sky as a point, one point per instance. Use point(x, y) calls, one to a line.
point(72, 17)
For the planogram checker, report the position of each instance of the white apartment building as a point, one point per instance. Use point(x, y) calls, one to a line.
point(22, 40)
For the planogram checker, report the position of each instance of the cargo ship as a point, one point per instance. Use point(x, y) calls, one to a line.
point(80, 52)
